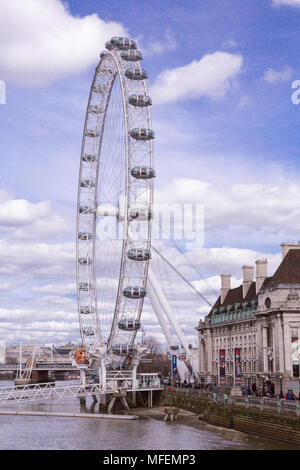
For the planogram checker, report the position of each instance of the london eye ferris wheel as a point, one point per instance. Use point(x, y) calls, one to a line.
point(114, 206)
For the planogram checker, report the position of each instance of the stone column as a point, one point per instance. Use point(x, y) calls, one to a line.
point(201, 359)
point(287, 348)
point(274, 349)
point(265, 349)
point(259, 341)
point(209, 351)
point(280, 344)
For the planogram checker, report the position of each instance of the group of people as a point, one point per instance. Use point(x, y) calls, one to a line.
point(268, 389)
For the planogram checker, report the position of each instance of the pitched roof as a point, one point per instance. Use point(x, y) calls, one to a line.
point(235, 295)
point(288, 272)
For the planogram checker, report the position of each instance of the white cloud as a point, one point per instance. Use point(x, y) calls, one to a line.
point(210, 77)
point(291, 3)
point(40, 41)
point(274, 76)
point(165, 44)
point(56, 288)
point(23, 220)
point(245, 209)
point(37, 259)
point(231, 44)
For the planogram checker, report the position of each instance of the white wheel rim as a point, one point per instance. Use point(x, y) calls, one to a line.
point(101, 302)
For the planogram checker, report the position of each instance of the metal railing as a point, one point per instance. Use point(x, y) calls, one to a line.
point(50, 391)
point(264, 404)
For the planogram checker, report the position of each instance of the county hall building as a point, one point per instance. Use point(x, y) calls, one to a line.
point(258, 322)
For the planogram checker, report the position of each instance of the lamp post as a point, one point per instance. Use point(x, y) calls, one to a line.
point(263, 390)
point(281, 393)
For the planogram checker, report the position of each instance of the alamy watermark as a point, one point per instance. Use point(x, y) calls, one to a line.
point(2, 92)
point(182, 222)
point(295, 98)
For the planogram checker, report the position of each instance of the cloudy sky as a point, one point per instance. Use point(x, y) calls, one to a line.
point(221, 75)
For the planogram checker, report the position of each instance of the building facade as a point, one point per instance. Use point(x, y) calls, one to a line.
point(260, 320)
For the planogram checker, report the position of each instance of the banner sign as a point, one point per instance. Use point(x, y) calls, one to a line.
point(237, 366)
point(174, 365)
point(222, 376)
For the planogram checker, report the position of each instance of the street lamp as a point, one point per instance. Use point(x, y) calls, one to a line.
point(281, 393)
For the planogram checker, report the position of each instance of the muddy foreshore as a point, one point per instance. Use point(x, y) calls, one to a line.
point(188, 418)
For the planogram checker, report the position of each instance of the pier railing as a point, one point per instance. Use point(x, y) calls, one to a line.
point(50, 391)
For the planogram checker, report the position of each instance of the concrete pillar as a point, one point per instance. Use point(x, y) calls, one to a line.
point(265, 349)
point(82, 377)
point(133, 397)
point(134, 377)
point(150, 399)
point(280, 344)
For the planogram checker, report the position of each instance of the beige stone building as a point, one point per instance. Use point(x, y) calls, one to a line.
point(262, 318)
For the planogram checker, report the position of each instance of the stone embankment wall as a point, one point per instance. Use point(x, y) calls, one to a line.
point(251, 421)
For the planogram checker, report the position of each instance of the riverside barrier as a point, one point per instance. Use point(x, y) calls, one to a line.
point(263, 417)
point(263, 404)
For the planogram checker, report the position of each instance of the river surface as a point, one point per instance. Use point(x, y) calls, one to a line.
point(41, 432)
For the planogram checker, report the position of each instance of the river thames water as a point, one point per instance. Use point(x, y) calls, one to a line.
point(38, 432)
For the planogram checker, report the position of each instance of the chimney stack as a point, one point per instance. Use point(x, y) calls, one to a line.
point(225, 285)
point(286, 246)
point(261, 273)
point(247, 278)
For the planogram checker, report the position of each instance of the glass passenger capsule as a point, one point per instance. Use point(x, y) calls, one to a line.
point(131, 55)
point(129, 324)
point(140, 100)
point(140, 213)
point(108, 45)
point(85, 261)
point(141, 133)
point(135, 73)
point(92, 133)
point(86, 210)
point(85, 236)
point(102, 54)
point(135, 292)
point(138, 254)
point(85, 286)
point(125, 44)
point(89, 158)
point(87, 184)
point(143, 172)
point(87, 310)
point(114, 40)
point(122, 349)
